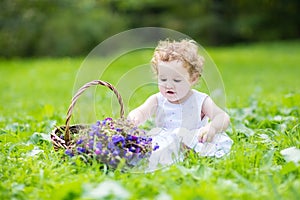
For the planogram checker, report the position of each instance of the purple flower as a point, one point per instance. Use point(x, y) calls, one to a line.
point(105, 152)
point(109, 140)
point(81, 150)
point(110, 145)
point(143, 138)
point(134, 138)
point(69, 152)
point(137, 150)
point(118, 138)
point(91, 144)
point(140, 155)
point(112, 162)
point(99, 145)
point(155, 147)
point(107, 120)
point(92, 134)
point(97, 151)
point(95, 127)
point(128, 137)
point(132, 149)
point(98, 123)
point(79, 141)
point(116, 153)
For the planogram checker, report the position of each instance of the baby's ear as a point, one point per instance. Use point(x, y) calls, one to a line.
point(194, 79)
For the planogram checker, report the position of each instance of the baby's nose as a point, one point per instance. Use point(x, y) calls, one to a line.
point(169, 84)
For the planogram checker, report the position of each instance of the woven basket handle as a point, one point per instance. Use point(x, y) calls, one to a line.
point(79, 92)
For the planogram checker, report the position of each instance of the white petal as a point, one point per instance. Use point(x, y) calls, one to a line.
point(291, 154)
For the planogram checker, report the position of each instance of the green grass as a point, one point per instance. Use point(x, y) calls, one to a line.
point(263, 99)
point(267, 71)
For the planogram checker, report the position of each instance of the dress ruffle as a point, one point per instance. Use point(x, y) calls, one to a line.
point(170, 144)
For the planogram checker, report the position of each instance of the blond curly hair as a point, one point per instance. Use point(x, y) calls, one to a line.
point(185, 50)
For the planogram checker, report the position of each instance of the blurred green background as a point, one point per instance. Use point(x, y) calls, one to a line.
point(34, 28)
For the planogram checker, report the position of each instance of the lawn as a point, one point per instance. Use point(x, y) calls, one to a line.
point(263, 100)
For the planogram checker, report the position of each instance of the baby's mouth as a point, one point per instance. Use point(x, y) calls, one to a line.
point(170, 92)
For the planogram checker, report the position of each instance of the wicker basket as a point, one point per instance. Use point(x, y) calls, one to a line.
point(62, 136)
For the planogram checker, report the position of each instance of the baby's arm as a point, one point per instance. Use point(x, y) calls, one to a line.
point(143, 112)
point(219, 120)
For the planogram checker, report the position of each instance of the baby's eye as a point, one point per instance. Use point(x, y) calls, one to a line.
point(163, 79)
point(177, 80)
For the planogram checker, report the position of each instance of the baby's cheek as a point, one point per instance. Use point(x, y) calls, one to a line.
point(183, 89)
point(161, 88)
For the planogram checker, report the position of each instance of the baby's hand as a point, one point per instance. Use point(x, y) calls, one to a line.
point(206, 134)
point(133, 117)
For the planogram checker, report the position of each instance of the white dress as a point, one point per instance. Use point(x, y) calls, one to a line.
point(176, 124)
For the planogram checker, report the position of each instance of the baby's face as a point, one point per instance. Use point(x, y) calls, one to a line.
point(174, 81)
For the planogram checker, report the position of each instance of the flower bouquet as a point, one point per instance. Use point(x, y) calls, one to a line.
point(111, 141)
point(108, 141)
